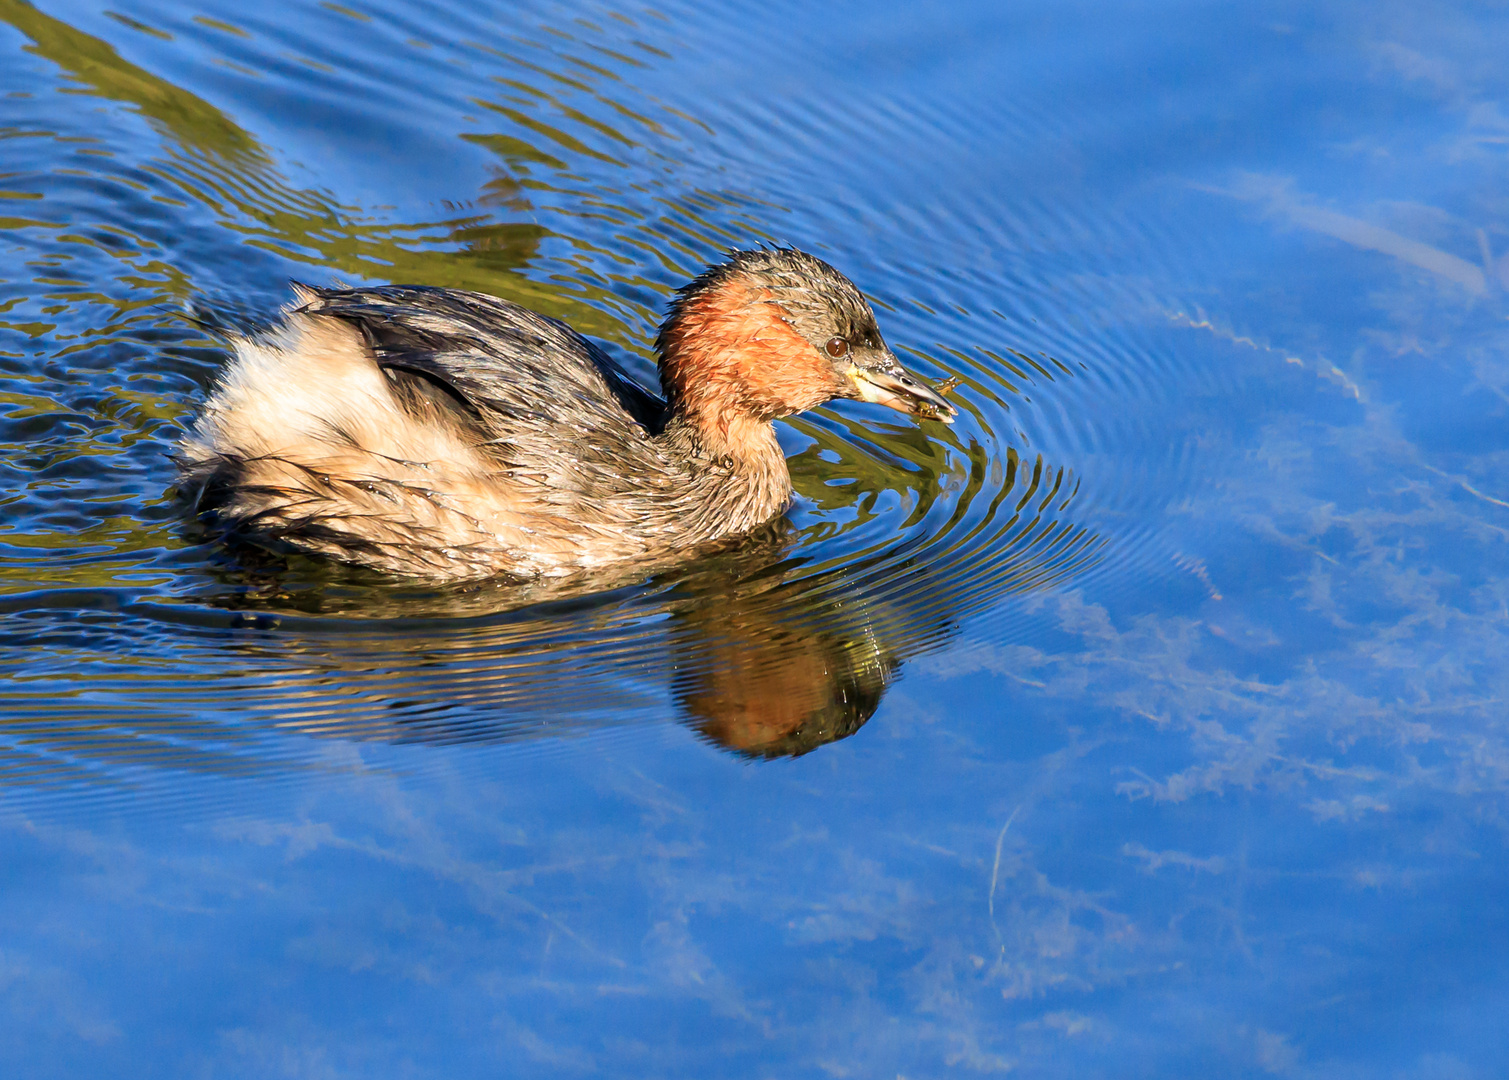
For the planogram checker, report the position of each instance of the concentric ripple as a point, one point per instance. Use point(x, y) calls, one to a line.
point(158, 164)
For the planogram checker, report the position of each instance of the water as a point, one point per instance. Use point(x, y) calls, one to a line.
point(1148, 721)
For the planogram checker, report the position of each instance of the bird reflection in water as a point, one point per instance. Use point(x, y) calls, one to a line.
point(764, 674)
point(772, 687)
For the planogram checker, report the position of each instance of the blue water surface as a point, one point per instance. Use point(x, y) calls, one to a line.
point(1183, 655)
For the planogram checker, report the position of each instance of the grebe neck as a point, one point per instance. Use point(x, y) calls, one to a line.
point(734, 443)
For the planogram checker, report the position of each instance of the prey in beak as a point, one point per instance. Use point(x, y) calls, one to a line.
point(891, 385)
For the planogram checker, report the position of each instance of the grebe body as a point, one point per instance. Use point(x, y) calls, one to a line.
point(448, 435)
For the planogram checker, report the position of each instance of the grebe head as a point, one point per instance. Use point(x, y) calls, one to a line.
point(769, 333)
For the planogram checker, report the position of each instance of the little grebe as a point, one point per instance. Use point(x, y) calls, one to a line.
point(448, 435)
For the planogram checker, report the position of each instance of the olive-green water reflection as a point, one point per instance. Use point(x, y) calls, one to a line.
point(210, 160)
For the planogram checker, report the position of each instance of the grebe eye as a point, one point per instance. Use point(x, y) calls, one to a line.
point(837, 348)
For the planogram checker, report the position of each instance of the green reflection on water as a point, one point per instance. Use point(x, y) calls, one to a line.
point(220, 165)
point(187, 118)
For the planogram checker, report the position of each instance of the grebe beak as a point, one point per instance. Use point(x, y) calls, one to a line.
point(893, 386)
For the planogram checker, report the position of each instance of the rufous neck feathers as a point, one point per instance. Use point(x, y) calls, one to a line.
point(729, 360)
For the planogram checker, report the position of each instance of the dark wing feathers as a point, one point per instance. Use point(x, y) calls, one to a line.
point(491, 363)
